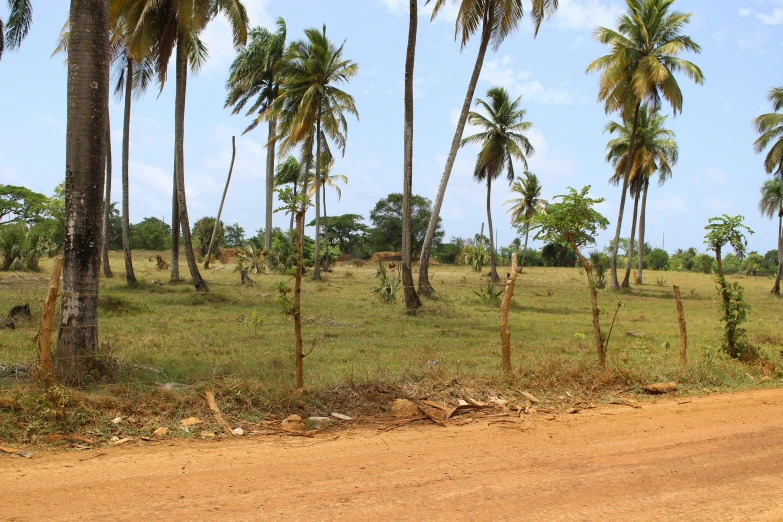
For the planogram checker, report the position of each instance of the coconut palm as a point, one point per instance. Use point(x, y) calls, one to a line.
point(255, 74)
point(497, 20)
point(159, 28)
point(640, 68)
point(289, 172)
point(88, 95)
point(771, 205)
point(770, 128)
point(527, 205)
point(655, 151)
point(328, 180)
point(502, 141)
point(312, 108)
point(16, 26)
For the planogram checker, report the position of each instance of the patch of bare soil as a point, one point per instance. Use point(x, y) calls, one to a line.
point(709, 458)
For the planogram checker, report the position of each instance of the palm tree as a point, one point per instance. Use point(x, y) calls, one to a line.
point(328, 180)
point(641, 68)
point(160, 26)
point(412, 300)
point(20, 18)
point(655, 151)
point(289, 172)
point(527, 205)
point(501, 142)
point(255, 73)
point(312, 109)
point(771, 204)
point(770, 128)
point(88, 101)
point(497, 19)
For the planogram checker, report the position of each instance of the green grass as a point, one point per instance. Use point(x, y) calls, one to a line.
point(206, 340)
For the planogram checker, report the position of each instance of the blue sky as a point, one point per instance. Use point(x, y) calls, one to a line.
point(742, 42)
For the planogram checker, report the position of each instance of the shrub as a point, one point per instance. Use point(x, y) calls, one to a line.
point(21, 248)
point(658, 259)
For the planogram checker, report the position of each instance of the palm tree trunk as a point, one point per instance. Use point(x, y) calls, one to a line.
point(493, 272)
point(88, 102)
point(326, 233)
point(222, 200)
point(291, 234)
point(107, 203)
point(179, 162)
point(412, 300)
point(627, 278)
point(270, 186)
point(626, 176)
point(425, 288)
point(175, 228)
point(130, 276)
point(524, 252)
point(776, 288)
point(317, 255)
point(642, 219)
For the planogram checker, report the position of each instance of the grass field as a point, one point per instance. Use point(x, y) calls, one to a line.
point(161, 332)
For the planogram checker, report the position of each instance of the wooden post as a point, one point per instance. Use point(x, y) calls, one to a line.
point(505, 335)
point(45, 331)
point(683, 332)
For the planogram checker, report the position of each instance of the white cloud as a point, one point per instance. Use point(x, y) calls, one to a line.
point(774, 18)
point(499, 72)
point(394, 6)
point(754, 41)
point(550, 164)
point(578, 42)
point(586, 14)
point(8, 174)
point(219, 39)
point(746, 11)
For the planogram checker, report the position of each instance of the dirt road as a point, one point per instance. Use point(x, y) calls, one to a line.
point(713, 458)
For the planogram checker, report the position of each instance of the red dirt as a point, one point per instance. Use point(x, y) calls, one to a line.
point(711, 458)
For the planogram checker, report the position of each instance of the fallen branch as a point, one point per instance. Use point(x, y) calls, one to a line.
point(212, 403)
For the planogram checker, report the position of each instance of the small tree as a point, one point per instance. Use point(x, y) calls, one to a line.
point(574, 221)
point(722, 231)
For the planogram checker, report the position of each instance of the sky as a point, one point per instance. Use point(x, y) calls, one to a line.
point(718, 171)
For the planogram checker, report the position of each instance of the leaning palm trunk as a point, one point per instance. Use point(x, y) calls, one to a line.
point(412, 300)
point(211, 246)
point(179, 163)
point(175, 229)
point(642, 218)
point(270, 187)
point(776, 288)
point(626, 179)
point(130, 276)
point(425, 287)
point(524, 251)
point(493, 272)
point(107, 204)
point(88, 102)
point(627, 278)
point(317, 256)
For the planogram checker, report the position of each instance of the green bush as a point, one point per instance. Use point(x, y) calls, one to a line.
point(658, 259)
point(21, 247)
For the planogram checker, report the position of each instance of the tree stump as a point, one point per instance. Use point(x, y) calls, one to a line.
point(162, 263)
point(245, 277)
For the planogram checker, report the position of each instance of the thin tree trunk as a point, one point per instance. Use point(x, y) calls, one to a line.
point(222, 200)
point(299, 353)
point(130, 276)
point(317, 186)
point(599, 341)
point(493, 272)
point(642, 219)
point(626, 179)
point(412, 300)
point(270, 186)
point(88, 102)
point(505, 304)
point(175, 228)
point(683, 330)
point(179, 161)
point(326, 232)
point(627, 278)
point(291, 234)
point(107, 203)
point(425, 288)
point(776, 288)
point(524, 251)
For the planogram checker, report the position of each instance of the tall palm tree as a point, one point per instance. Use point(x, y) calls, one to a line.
point(770, 128)
point(640, 68)
point(256, 73)
point(497, 19)
point(655, 151)
point(328, 180)
point(88, 68)
point(312, 108)
point(770, 205)
point(527, 205)
point(502, 141)
point(289, 172)
point(15, 29)
point(412, 300)
point(160, 28)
